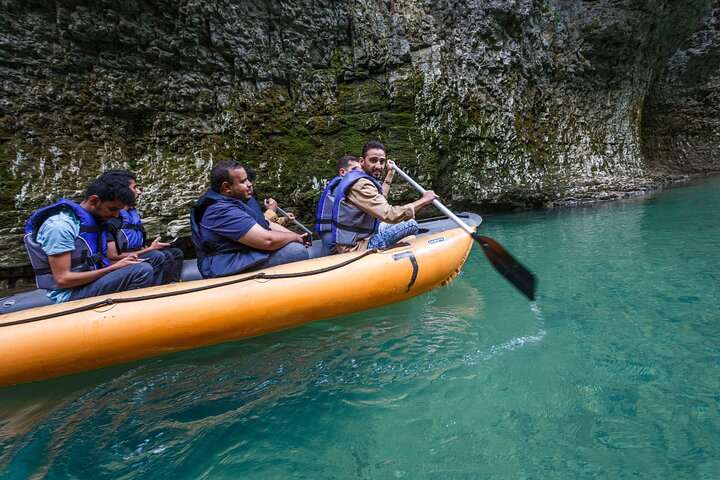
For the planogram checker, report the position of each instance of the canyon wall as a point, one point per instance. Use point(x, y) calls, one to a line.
point(492, 103)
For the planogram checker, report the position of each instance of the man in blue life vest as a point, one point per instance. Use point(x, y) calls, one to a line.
point(229, 236)
point(323, 214)
point(66, 241)
point(127, 237)
point(360, 205)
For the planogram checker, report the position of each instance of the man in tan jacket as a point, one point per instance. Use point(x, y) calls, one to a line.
point(360, 204)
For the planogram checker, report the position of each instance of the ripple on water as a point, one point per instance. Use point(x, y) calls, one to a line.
point(611, 373)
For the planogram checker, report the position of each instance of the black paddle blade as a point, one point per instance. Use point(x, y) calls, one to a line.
point(508, 267)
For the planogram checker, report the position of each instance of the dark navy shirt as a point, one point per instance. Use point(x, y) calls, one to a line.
point(226, 221)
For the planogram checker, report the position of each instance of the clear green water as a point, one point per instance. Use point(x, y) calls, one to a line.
point(613, 373)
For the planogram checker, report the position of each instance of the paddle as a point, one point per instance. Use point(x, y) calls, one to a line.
point(503, 262)
point(300, 225)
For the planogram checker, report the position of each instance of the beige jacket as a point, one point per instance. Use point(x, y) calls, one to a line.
point(271, 216)
point(364, 195)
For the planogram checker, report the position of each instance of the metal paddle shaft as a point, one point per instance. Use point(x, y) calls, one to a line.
point(300, 225)
point(503, 262)
point(436, 203)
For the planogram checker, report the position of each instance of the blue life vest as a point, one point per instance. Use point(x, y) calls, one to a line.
point(255, 205)
point(323, 215)
point(219, 256)
point(349, 223)
point(130, 237)
point(90, 245)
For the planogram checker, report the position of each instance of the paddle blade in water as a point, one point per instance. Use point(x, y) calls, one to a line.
point(507, 266)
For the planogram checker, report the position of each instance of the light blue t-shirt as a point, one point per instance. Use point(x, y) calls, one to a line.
point(57, 235)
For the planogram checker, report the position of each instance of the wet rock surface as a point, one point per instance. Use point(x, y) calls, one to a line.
point(502, 104)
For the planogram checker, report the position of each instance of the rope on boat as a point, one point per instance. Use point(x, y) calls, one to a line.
point(261, 275)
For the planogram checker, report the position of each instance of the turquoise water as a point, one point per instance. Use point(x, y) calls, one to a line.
point(613, 373)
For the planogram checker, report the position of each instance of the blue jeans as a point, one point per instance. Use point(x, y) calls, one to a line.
point(139, 275)
point(156, 259)
point(393, 234)
point(327, 243)
point(292, 252)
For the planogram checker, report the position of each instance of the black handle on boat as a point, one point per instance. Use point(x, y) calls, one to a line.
point(503, 262)
point(300, 225)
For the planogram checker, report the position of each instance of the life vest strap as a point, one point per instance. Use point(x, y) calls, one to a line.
point(351, 228)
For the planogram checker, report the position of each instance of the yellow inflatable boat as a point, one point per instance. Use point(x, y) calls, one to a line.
point(82, 335)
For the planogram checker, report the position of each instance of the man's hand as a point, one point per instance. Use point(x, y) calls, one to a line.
point(290, 216)
point(129, 260)
point(306, 240)
point(271, 204)
point(391, 171)
point(428, 197)
point(158, 245)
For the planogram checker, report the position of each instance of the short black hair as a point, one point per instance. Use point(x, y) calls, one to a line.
point(109, 188)
point(221, 173)
point(344, 160)
point(251, 174)
point(371, 145)
point(121, 173)
point(124, 175)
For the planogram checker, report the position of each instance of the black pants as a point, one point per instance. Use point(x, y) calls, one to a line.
point(173, 264)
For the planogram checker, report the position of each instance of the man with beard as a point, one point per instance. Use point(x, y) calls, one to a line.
point(230, 237)
point(360, 205)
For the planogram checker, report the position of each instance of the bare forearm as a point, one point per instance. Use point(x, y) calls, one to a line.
point(114, 256)
point(387, 182)
point(273, 239)
point(418, 204)
point(70, 279)
point(368, 200)
point(280, 239)
point(428, 197)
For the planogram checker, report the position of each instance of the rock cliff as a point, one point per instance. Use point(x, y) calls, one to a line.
point(493, 103)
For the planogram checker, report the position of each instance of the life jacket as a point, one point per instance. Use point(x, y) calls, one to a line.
point(255, 205)
point(130, 237)
point(89, 245)
point(323, 215)
point(219, 256)
point(349, 223)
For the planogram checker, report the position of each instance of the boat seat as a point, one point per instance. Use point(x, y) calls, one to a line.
point(23, 301)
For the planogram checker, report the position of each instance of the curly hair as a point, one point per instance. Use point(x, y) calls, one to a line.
point(111, 187)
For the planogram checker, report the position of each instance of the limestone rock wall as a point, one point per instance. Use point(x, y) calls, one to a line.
point(508, 103)
point(681, 122)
